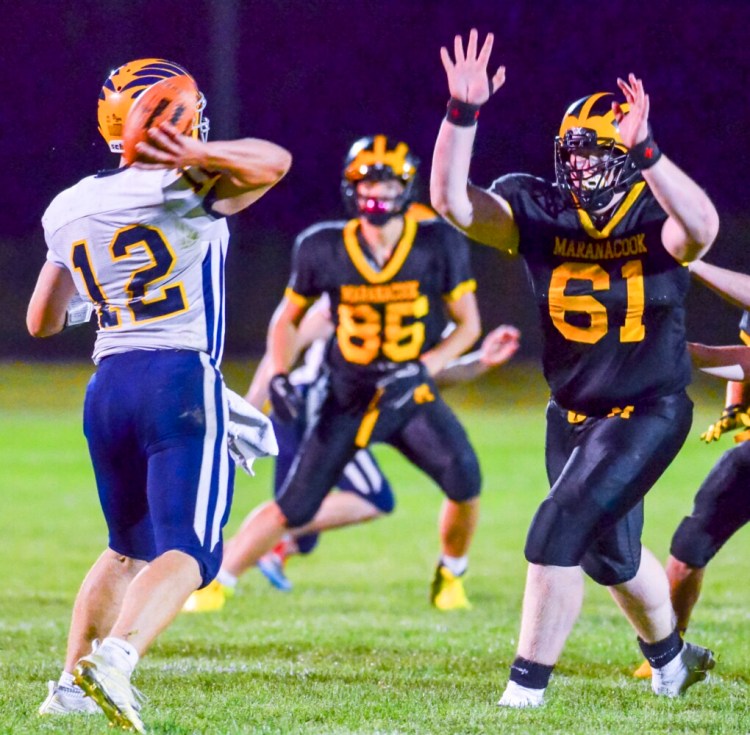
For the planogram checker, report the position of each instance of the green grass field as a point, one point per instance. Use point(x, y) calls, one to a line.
point(355, 648)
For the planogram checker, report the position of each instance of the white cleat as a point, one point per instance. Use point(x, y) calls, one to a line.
point(111, 689)
point(690, 666)
point(521, 697)
point(64, 700)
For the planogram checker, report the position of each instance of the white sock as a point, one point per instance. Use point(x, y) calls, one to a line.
point(671, 667)
point(516, 695)
point(456, 565)
point(119, 653)
point(66, 680)
point(225, 578)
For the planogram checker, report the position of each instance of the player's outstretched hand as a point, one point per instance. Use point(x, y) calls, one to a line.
point(468, 78)
point(633, 125)
point(168, 148)
point(499, 345)
point(732, 417)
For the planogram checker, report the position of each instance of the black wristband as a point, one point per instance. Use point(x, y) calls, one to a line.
point(645, 154)
point(460, 113)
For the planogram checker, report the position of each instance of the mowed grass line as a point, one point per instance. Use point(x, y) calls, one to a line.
point(355, 648)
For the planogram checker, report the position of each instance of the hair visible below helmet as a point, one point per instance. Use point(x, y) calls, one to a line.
point(589, 128)
point(125, 84)
point(378, 158)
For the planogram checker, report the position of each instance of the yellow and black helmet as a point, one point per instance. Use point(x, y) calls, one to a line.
point(123, 86)
point(378, 158)
point(589, 128)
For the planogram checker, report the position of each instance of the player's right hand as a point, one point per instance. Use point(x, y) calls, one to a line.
point(287, 403)
point(468, 78)
point(499, 345)
point(732, 417)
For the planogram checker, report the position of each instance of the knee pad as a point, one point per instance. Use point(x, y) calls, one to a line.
point(692, 544)
point(460, 478)
point(610, 572)
point(306, 544)
point(383, 500)
point(296, 511)
point(556, 536)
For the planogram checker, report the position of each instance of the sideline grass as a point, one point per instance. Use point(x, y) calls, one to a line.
point(355, 648)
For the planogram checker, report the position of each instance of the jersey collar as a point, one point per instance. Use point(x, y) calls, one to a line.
point(622, 209)
point(400, 252)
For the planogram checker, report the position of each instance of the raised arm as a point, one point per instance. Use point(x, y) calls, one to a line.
point(483, 216)
point(693, 222)
point(730, 285)
point(247, 168)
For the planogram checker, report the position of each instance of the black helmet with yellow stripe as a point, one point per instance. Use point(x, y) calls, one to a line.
point(589, 130)
point(378, 158)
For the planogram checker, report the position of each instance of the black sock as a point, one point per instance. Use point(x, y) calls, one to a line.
point(662, 652)
point(529, 673)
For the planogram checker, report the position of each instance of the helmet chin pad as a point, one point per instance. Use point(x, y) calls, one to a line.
point(378, 211)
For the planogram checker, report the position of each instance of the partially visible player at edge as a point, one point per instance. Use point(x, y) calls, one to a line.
point(722, 504)
point(392, 283)
point(605, 247)
point(148, 247)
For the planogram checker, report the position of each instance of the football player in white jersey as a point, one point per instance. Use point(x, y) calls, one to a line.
point(147, 244)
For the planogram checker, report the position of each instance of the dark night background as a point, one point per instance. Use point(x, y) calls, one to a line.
point(313, 75)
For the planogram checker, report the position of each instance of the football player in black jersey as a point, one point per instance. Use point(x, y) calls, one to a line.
point(604, 246)
point(722, 504)
point(393, 282)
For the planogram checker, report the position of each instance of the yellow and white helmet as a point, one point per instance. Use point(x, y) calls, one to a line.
point(123, 86)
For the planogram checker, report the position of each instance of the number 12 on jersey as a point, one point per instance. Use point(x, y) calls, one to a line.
point(145, 299)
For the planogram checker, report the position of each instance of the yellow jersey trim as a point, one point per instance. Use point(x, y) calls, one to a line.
point(622, 210)
point(745, 337)
point(463, 288)
point(296, 298)
point(399, 255)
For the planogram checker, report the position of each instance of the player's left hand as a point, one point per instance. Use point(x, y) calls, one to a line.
point(168, 148)
point(468, 78)
point(633, 125)
point(499, 345)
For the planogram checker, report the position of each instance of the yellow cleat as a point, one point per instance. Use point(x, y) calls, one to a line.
point(209, 599)
point(447, 591)
point(643, 671)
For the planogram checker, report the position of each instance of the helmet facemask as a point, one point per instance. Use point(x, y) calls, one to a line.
point(378, 210)
point(201, 124)
point(378, 159)
point(607, 168)
point(591, 162)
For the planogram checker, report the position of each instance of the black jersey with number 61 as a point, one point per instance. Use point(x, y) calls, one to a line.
point(611, 301)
